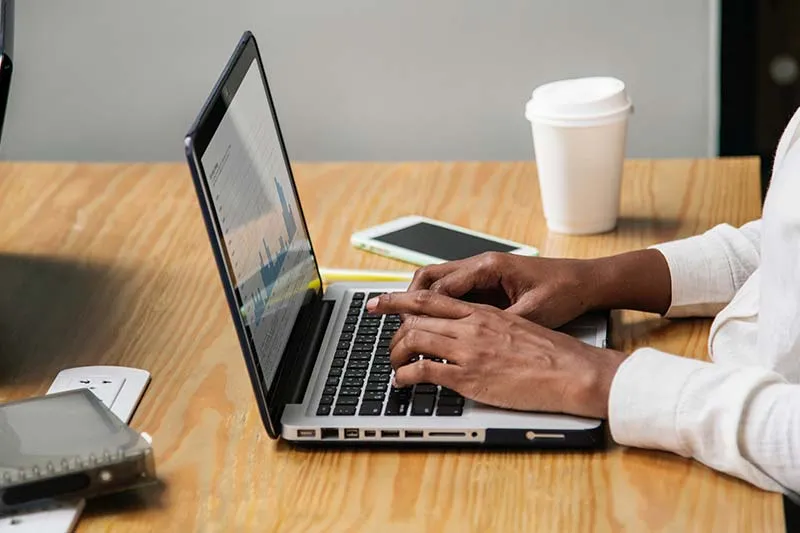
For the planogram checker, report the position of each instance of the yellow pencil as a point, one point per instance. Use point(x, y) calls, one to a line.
point(343, 274)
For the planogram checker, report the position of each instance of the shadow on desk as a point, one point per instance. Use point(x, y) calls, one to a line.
point(662, 228)
point(130, 501)
point(53, 314)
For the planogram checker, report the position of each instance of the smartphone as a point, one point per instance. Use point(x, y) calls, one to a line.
point(423, 241)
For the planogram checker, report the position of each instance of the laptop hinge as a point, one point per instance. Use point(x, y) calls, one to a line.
point(301, 354)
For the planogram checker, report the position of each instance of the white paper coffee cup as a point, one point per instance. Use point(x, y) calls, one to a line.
point(579, 132)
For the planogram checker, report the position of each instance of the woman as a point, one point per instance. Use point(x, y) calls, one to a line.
point(739, 414)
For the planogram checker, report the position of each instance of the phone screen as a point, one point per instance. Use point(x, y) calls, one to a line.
point(440, 242)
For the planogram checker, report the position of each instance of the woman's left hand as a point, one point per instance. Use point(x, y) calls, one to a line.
point(496, 357)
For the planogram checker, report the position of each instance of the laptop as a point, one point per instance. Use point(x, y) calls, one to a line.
point(318, 362)
point(6, 52)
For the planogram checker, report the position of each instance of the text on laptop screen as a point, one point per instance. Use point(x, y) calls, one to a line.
point(252, 195)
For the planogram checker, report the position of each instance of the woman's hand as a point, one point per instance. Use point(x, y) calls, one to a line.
point(496, 357)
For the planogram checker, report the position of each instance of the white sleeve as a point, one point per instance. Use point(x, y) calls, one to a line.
point(744, 421)
point(706, 270)
point(779, 284)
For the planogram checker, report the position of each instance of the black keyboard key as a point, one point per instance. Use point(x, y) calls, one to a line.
point(343, 345)
point(449, 410)
point(330, 389)
point(374, 396)
point(376, 386)
point(382, 351)
point(374, 295)
point(384, 343)
point(363, 347)
point(426, 388)
point(349, 328)
point(358, 365)
point(323, 410)
point(378, 378)
point(423, 405)
point(366, 339)
point(353, 382)
point(361, 356)
point(351, 320)
point(356, 373)
point(358, 296)
point(382, 360)
point(335, 372)
point(401, 391)
point(337, 363)
point(332, 381)
point(340, 354)
point(381, 369)
point(344, 410)
point(396, 406)
point(448, 392)
point(346, 336)
point(347, 400)
point(450, 400)
point(326, 399)
point(350, 391)
point(354, 311)
point(371, 409)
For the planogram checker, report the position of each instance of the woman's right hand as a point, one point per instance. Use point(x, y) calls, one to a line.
point(550, 292)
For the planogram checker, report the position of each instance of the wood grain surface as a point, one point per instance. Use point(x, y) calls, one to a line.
point(110, 264)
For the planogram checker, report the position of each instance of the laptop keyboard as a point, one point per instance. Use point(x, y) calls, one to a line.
point(359, 379)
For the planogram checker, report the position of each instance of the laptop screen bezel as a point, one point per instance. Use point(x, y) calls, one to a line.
point(197, 140)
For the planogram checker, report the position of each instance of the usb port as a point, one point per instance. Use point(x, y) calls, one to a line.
point(414, 434)
point(330, 433)
point(351, 433)
point(306, 433)
point(388, 434)
point(369, 433)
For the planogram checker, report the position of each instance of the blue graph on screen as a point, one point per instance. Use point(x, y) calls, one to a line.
point(271, 267)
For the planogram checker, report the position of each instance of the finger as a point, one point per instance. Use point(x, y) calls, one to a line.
point(471, 276)
point(420, 303)
point(417, 342)
point(425, 276)
point(427, 371)
point(442, 326)
point(526, 305)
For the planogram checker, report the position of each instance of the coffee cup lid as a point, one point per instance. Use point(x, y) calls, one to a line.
point(578, 99)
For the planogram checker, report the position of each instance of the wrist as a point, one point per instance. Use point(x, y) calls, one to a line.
point(593, 399)
point(637, 280)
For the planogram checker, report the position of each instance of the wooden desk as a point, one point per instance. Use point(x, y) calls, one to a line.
point(109, 264)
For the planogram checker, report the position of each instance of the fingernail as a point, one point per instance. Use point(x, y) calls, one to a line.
point(372, 303)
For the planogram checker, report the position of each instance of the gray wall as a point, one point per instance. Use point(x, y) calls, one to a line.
point(353, 79)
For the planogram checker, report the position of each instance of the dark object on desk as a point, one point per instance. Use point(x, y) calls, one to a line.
point(6, 53)
point(67, 445)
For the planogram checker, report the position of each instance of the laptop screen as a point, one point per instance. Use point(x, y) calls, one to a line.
point(264, 236)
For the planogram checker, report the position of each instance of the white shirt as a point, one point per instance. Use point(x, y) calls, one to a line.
point(741, 413)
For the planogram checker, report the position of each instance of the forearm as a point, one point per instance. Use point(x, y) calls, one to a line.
point(637, 280)
point(744, 421)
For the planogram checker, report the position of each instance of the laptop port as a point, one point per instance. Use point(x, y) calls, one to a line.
point(447, 434)
point(351, 433)
point(330, 433)
point(389, 434)
point(369, 433)
point(414, 434)
point(306, 433)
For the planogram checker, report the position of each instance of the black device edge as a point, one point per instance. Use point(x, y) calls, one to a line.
point(293, 374)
